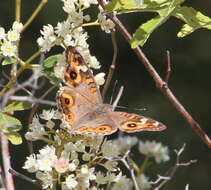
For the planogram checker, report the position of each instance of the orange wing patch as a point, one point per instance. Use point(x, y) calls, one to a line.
point(69, 117)
point(66, 100)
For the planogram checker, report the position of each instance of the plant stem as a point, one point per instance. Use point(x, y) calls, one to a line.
point(34, 14)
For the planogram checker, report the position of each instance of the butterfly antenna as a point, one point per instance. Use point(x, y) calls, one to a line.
point(112, 95)
point(114, 105)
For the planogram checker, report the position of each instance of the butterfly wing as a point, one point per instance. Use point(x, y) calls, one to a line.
point(73, 106)
point(79, 77)
point(131, 123)
point(99, 126)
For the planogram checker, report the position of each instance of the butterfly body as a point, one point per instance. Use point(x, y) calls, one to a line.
point(83, 110)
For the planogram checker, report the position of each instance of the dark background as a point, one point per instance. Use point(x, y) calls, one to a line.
point(189, 81)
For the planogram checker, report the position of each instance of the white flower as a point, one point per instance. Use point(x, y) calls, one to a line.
point(71, 181)
point(144, 182)
point(62, 29)
point(109, 149)
point(125, 143)
point(8, 49)
point(68, 40)
point(61, 165)
point(101, 178)
point(154, 149)
point(123, 184)
point(94, 63)
point(45, 44)
point(86, 157)
point(87, 172)
point(46, 158)
point(46, 178)
point(17, 26)
point(47, 114)
point(111, 165)
point(2, 33)
point(47, 30)
point(48, 39)
point(59, 69)
point(72, 166)
point(69, 6)
point(36, 130)
point(31, 164)
point(106, 24)
point(99, 78)
point(76, 18)
point(112, 177)
point(13, 35)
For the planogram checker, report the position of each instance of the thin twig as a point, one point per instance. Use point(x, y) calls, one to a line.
point(26, 178)
point(6, 162)
point(159, 81)
point(176, 166)
point(118, 97)
point(112, 66)
point(130, 169)
point(32, 99)
point(169, 67)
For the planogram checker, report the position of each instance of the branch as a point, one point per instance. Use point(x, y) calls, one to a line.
point(159, 81)
point(124, 161)
point(169, 66)
point(15, 173)
point(112, 66)
point(176, 166)
point(6, 162)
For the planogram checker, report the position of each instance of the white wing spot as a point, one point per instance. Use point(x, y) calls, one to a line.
point(156, 123)
point(143, 120)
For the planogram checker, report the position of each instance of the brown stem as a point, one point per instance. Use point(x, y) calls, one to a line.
point(112, 66)
point(6, 162)
point(159, 81)
point(169, 66)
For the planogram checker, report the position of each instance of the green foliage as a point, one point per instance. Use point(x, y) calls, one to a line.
point(8, 60)
point(50, 61)
point(47, 72)
point(165, 9)
point(17, 106)
point(10, 125)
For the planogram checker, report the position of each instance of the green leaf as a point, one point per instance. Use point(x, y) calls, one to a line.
point(143, 32)
point(16, 106)
point(9, 124)
point(50, 61)
point(115, 5)
point(194, 20)
point(14, 137)
point(8, 60)
point(52, 78)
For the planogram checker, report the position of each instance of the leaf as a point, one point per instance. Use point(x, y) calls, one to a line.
point(115, 5)
point(194, 20)
point(50, 61)
point(9, 124)
point(8, 60)
point(143, 32)
point(16, 106)
point(14, 137)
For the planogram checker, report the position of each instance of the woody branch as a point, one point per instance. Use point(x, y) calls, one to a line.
point(160, 83)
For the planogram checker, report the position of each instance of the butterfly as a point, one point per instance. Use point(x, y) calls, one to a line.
point(82, 107)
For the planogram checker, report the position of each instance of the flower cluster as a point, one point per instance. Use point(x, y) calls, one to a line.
point(8, 40)
point(70, 32)
point(83, 162)
point(154, 149)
